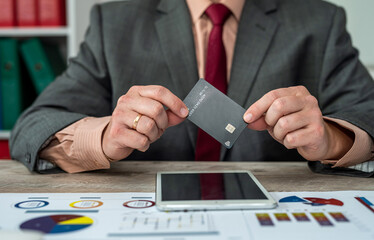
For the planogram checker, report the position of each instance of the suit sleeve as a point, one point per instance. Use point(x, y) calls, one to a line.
point(84, 89)
point(346, 89)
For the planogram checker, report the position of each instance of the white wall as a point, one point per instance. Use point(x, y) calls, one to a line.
point(81, 18)
point(360, 19)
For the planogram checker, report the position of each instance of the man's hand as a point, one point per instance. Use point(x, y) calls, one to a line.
point(120, 139)
point(293, 118)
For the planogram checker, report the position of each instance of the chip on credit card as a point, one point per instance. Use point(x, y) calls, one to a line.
point(215, 113)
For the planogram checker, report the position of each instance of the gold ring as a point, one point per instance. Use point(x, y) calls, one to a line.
point(136, 121)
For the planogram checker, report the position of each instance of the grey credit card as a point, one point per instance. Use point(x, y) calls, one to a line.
point(215, 113)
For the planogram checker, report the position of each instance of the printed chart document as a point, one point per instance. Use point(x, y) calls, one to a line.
point(300, 215)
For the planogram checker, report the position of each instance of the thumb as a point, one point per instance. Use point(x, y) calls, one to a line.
point(258, 125)
point(173, 118)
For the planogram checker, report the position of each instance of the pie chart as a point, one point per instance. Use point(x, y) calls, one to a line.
point(55, 224)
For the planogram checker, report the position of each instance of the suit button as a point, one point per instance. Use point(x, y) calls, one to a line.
point(28, 158)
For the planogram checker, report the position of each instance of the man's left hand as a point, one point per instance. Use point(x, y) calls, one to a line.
point(293, 118)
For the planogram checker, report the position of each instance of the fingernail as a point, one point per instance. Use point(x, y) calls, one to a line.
point(248, 117)
point(184, 112)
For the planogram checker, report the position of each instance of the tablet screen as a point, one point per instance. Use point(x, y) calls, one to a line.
point(209, 186)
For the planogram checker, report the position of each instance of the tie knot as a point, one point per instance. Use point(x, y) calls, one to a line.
point(218, 13)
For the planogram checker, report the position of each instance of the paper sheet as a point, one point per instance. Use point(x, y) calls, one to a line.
point(300, 215)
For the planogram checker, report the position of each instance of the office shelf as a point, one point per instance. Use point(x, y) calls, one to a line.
point(34, 32)
point(4, 134)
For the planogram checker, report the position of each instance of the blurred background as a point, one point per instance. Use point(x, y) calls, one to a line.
point(360, 16)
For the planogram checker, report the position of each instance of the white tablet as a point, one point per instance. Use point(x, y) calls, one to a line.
point(204, 190)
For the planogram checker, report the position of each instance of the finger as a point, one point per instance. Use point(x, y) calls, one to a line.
point(128, 138)
point(289, 123)
point(148, 127)
point(125, 118)
point(261, 106)
point(167, 98)
point(135, 140)
point(271, 132)
point(173, 119)
point(150, 108)
point(300, 138)
point(283, 106)
point(258, 125)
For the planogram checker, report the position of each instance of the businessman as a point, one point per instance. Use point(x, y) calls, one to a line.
point(289, 63)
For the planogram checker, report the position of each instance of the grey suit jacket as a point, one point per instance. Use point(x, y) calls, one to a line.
point(279, 44)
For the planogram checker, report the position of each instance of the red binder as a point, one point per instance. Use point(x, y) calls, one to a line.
point(7, 13)
point(52, 13)
point(27, 13)
point(4, 148)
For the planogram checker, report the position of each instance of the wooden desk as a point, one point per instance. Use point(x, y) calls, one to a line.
point(131, 176)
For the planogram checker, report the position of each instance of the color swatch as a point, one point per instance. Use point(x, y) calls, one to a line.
point(313, 201)
point(31, 204)
point(364, 201)
point(323, 201)
point(338, 216)
point(321, 219)
point(86, 204)
point(282, 217)
point(139, 204)
point(55, 224)
point(292, 199)
point(301, 217)
point(264, 219)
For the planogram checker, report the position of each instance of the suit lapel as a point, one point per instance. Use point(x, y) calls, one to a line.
point(255, 33)
point(175, 34)
point(176, 38)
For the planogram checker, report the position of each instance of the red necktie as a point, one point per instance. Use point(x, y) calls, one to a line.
point(207, 148)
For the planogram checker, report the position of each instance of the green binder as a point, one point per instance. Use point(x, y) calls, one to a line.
point(11, 89)
point(44, 63)
point(1, 103)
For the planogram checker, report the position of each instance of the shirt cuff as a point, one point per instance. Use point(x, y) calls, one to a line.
point(361, 149)
point(87, 145)
point(367, 167)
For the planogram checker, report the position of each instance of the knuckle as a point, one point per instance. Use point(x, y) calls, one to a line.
point(302, 89)
point(278, 134)
point(279, 104)
point(314, 147)
point(289, 142)
point(144, 149)
point(149, 125)
point(123, 99)
point(157, 110)
point(143, 142)
point(160, 133)
point(134, 88)
point(283, 124)
point(319, 130)
point(273, 94)
point(311, 100)
point(315, 114)
point(159, 91)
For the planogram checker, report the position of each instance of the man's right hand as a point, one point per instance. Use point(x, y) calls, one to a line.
point(120, 138)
